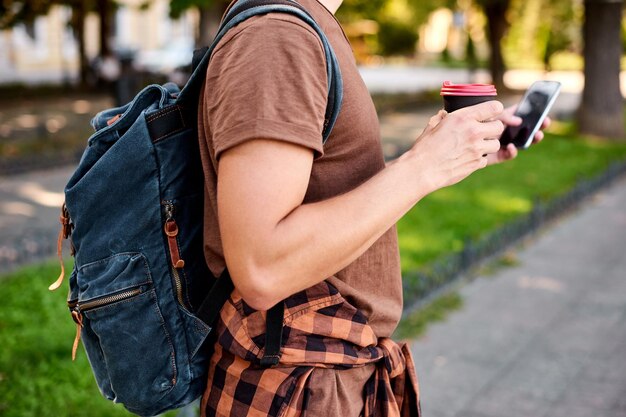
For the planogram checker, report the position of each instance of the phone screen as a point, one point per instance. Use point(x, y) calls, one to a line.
point(533, 109)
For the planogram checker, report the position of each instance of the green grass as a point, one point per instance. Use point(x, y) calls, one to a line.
point(488, 199)
point(37, 375)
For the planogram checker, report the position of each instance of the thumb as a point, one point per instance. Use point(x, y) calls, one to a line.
point(435, 120)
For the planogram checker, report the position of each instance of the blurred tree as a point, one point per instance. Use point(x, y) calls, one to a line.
point(539, 29)
point(211, 12)
point(423, 8)
point(353, 10)
point(601, 111)
point(106, 12)
point(558, 29)
point(396, 38)
point(470, 55)
point(398, 21)
point(77, 23)
point(14, 12)
point(497, 25)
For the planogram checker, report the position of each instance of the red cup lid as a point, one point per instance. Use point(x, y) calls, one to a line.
point(450, 89)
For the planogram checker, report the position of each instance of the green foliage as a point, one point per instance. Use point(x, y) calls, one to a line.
point(396, 38)
point(470, 53)
point(408, 12)
point(353, 10)
point(623, 34)
point(422, 8)
point(178, 7)
point(539, 29)
point(562, 31)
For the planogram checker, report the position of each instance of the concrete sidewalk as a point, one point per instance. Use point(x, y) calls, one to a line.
point(544, 338)
point(29, 215)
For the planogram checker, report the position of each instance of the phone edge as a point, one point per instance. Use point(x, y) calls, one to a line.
point(543, 116)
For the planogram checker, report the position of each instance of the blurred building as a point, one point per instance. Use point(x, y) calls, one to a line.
point(47, 52)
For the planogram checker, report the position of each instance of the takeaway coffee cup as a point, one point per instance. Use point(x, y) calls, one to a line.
point(457, 96)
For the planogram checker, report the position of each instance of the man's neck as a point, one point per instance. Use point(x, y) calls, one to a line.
point(331, 5)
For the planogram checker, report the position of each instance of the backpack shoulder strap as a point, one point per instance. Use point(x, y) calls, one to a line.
point(240, 11)
point(244, 9)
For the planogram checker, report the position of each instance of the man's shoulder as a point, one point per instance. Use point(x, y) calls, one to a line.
point(272, 26)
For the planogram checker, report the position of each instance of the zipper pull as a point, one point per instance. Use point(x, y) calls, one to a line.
point(77, 316)
point(171, 231)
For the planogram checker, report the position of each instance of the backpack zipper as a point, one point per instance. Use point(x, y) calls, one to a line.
point(77, 309)
point(109, 299)
point(171, 231)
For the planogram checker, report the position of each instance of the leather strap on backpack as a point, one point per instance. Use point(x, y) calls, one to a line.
point(215, 299)
point(238, 12)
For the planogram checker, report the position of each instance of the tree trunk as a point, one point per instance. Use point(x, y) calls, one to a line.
point(105, 13)
point(78, 26)
point(210, 17)
point(497, 25)
point(601, 111)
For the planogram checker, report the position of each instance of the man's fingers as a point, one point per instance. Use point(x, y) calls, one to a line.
point(511, 120)
point(492, 129)
point(491, 146)
point(510, 110)
point(482, 111)
point(511, 151)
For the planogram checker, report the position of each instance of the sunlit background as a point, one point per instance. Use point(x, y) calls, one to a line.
point(62, 61)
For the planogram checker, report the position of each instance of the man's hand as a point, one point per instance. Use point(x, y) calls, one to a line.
point(510, 152)
point(454, 145)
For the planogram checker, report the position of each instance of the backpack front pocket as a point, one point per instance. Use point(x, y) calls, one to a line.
point(123, 331)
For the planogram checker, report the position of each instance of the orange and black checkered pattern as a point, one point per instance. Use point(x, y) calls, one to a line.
point(321, 330)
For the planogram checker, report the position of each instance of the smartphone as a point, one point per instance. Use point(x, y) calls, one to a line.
point(533, 109)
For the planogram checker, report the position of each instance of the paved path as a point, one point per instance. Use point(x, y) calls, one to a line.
point(29, 212)
point(546, 338)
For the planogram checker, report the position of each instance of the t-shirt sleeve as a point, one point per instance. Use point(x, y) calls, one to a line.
point(267, 81)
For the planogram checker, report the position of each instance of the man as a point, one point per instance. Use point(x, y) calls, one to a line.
point(313, 224)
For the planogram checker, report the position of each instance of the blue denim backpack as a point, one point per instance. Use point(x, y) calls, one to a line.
point(140, 292)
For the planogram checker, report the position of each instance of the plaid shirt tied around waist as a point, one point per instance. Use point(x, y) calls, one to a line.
point(320, 330)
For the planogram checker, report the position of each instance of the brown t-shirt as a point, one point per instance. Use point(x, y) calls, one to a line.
point(267, 79)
